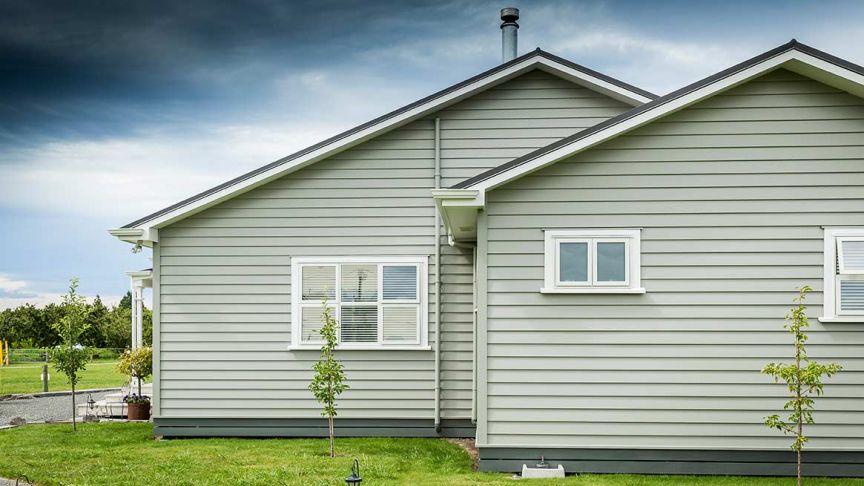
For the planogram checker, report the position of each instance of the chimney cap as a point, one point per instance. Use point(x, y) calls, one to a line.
point(509, 14)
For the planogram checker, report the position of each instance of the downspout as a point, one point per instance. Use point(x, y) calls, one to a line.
point(473, 327)
point(474, 338)
point(437, 280)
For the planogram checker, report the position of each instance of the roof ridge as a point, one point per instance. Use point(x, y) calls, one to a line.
point(792, 44)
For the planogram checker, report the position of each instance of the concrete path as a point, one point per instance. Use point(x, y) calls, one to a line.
point(43, 409)
point(11, 482)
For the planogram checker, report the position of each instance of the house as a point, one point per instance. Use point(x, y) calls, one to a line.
point(610, 272)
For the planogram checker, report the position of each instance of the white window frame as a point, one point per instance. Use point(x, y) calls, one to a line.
point(422, 300)
point(833, 271)
point(632, 283)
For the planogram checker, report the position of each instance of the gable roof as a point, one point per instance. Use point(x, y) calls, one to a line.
point(794, 56)
point(537, 59)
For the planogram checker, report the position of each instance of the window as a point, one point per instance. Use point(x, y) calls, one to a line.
point(844, 275)
point(378, 302)
point(592, 261)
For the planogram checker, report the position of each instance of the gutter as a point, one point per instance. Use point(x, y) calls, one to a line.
point(437, 412)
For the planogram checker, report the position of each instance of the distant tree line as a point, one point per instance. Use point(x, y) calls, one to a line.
point(28, 326)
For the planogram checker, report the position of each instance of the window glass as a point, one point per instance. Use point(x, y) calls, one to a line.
point(319, 282)
point(400, 323)
point(853, 255)
point(400, 282)
point(310, 324)
point(359, 283)
point(375, 303)
point(611, 256)
point(359, 324)
point(574, 262)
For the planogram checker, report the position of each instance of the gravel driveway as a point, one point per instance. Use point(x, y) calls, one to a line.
point(43, 409)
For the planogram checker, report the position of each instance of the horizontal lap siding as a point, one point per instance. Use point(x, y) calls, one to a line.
point(226, 282)
point(226, 288)
point(515, 118)
point(731, 195)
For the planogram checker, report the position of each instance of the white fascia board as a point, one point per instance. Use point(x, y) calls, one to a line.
point(593, 83)
point(144, 236)
point(794, 60)
point(458, 209)
point(415, 113)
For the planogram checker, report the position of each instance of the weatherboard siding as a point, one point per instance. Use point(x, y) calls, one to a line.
point(225, 273)
point(731, 195)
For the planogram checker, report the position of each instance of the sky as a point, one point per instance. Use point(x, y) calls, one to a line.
point(112, 110)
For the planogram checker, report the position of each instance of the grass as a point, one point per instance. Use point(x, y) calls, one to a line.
point(125, 453)
point(26, 378)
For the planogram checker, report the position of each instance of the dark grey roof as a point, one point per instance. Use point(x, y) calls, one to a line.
point(793, 44)
point(536, 53)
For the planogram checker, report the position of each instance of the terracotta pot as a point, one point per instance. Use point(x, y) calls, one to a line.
point(138, 411)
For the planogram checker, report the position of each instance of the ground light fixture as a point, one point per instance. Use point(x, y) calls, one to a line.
point(354, 478)
point(91, 404)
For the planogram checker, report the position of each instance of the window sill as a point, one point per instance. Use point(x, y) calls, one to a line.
point(849, 319)
point(591, 290)
point(317, 347)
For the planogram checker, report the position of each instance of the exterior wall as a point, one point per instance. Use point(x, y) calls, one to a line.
point(731, 195)
point(225, 278)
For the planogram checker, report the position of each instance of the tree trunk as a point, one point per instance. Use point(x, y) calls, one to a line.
point(799, 467)
point(332, 439)
point(74, 428)
point(798, 405)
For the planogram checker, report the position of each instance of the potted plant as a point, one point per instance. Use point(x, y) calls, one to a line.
point(137, 364)
point(137, 407)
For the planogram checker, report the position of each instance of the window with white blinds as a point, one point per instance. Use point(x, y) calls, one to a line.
point(377, 302)
point(850, 275)
point(844, 275)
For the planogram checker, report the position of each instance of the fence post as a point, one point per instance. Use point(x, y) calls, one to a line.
point(45, 374)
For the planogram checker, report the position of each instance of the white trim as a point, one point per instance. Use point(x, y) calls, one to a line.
point(842, 320)
point(793, 59)
point(533, 62)
point(422, 300)
point(341, 347)
point(592, 290)
point(632, 263)
point(830, 293)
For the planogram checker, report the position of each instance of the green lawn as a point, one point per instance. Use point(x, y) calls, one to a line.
point(124, 453)
point(26, 378)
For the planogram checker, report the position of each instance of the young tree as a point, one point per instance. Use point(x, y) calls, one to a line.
point(137, 364)
point(802, 377)
point(70, 357)
point(329, 380)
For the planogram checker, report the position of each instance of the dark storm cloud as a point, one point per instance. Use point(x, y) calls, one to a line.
point(90, 68)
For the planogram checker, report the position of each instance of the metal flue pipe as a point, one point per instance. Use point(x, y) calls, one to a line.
point(509, 29)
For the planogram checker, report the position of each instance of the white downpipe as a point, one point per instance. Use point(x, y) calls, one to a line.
point(474, 337)
point(473, 327)
point(437, 279)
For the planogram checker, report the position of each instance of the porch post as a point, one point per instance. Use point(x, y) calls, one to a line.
point(134, 303)
point(138, 315)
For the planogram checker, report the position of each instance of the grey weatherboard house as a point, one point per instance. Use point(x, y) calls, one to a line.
point(609, 275)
